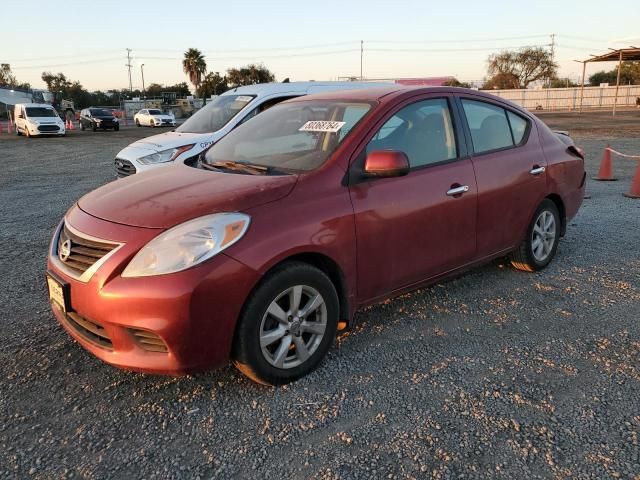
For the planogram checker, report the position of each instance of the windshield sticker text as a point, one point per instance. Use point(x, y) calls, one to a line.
point(322, 126)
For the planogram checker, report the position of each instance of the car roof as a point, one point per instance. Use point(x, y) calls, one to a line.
point(395, 91)
point(34, 105)
point(264, 89)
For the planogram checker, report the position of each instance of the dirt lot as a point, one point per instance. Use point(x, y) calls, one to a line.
point(497, 373)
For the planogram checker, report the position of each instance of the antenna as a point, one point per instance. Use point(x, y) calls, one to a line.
point(129, 66)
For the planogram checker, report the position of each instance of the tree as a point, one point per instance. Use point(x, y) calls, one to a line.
point(213, 84)
point(194, 66)
point(249, 75)
point(500, 81)
point(8, 79)
point(56, 83)
point(629, 74)
point(521, 67)
point(454, 82)
point(561, 83)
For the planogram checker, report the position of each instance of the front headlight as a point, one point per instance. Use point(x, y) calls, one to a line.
point(165, 155)
point(115, 120)
point(97, 120)
point(188, 244)
point(35, 123)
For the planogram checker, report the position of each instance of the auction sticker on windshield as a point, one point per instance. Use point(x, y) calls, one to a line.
point(322, 126)
point(243, 98)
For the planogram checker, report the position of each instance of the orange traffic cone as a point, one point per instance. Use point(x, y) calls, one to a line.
point(605, 174)
point(71, 127)
point(634, 192)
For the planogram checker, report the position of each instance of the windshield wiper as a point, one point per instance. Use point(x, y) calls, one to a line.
point(238, 166)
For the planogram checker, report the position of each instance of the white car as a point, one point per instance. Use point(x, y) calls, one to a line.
point(214, 121)
point(35, 119)
point(154, 117)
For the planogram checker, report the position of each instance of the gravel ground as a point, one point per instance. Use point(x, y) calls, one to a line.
point(495, 374)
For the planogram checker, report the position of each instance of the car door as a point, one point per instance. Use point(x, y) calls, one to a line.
point(510, 171)
point(417, 226)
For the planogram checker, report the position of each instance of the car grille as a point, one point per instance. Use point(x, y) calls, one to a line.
point(91, 331)
point(48, 128)
point(149, 341)
point(80, 253)
point(124, 168)
point(167, 122)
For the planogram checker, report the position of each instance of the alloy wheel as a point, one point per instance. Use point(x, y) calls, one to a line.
point(543, 236)
point(293, 327)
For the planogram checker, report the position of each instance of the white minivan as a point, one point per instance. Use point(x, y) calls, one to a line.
point(34, 119)
point(214, 121)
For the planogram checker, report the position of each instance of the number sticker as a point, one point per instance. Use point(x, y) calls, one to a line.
point(322, 126)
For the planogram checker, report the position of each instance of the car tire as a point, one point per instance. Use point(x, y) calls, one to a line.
point(81, 126)
point(275, 349)
point(18, 132)
point(116, 128)
point(541, 243)
point(152, 123)
point(94, 127)
point(138, 123)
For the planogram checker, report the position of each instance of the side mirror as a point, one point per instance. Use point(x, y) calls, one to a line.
point(386, 163)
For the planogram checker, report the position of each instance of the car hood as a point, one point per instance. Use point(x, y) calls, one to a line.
point(164, 197)
point(103, 117)
point(162, 116)
point(46, 119)
point(168, 140)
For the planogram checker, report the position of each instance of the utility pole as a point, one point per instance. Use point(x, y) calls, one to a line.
point(142, 72)
point(553, 53)
point(361, 55)
point(129, 66)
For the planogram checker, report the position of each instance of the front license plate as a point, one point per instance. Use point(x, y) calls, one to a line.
point(57, 293)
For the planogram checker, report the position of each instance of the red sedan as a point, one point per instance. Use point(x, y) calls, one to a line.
point(267, 246)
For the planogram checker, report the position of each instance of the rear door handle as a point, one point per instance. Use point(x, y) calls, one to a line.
point(452, 192)
point(537, 170)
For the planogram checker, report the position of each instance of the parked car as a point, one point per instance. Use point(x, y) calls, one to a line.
point(268, 245)
point(214, 121)
point(154, 117)
point(36, 119)
point(98, 118)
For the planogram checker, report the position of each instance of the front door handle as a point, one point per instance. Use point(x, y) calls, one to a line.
point(536, 170)
point(455, 191)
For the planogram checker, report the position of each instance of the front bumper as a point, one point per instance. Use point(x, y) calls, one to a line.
point(188, 316)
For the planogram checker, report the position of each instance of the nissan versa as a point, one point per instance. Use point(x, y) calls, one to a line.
point(267, 246)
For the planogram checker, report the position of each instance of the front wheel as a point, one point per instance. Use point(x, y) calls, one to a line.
point(137, 123)
point(540, 246)
point(287, 325)
point(18, 132)
point(94, 127)
point(116, 128)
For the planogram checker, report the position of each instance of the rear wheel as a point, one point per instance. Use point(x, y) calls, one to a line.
point(540, 246)
point(116, 128)
point(137, 122)
point(287, 326)
point(81, 126)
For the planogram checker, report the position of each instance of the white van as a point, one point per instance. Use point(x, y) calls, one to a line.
point(215, 120)
point(34, 119)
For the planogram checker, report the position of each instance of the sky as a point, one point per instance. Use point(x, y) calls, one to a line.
point(302, 40)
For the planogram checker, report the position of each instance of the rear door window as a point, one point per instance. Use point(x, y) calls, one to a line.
point(489, 126)
point(518, 127)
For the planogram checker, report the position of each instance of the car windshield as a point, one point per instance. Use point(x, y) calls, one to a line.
point(35, 112)
point(155, 112)
point(295, 137)
point(100, 112)
point(215, 115)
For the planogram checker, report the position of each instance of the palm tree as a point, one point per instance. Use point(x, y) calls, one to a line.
point(194, 66)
